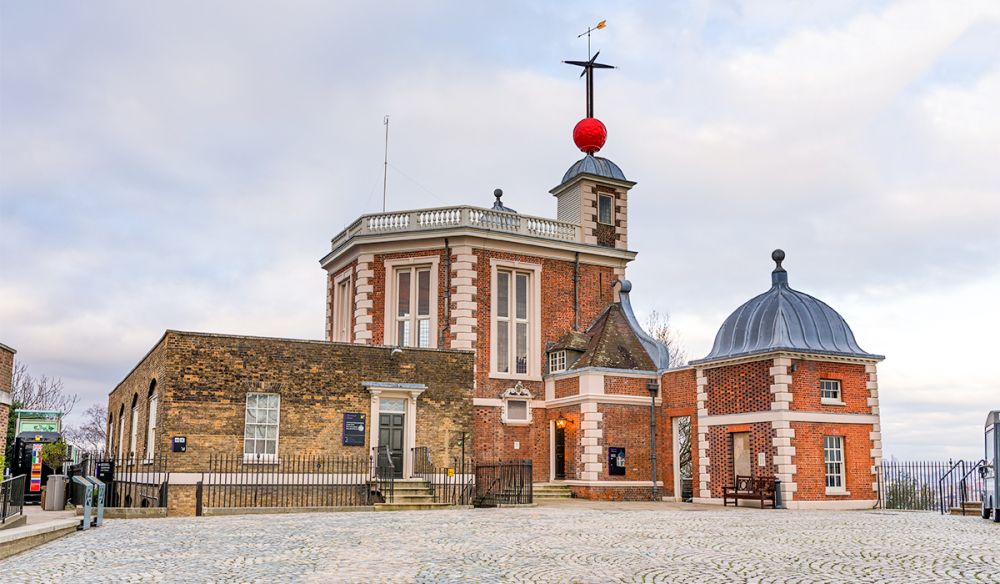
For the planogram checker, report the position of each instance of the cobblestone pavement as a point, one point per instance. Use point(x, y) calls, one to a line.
point(595, 543)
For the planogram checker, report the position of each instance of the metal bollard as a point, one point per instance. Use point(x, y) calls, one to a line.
point(101, 489)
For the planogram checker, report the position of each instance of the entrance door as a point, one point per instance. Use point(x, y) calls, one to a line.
point(741, 454)
point(560, 453)
point(390, 433)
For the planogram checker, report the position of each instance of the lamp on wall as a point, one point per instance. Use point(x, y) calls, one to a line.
point(561, 422)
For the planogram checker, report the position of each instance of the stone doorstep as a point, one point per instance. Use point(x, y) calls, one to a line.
point(418, 506)
point(128, 512)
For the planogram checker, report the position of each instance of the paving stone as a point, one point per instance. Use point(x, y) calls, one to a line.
point(613, 543)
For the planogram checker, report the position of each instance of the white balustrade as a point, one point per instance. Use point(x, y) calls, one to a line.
point(474, 217)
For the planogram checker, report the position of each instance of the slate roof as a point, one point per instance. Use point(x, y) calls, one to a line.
point(784, 319)
point(614, 340)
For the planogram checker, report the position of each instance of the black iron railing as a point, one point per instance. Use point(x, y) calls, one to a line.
point(384, 476)
point(503, 483)
point(928, 485)
point(11, 498)
point(131, 481)
point(448, 484)
point(297, 481)
point(971, 486)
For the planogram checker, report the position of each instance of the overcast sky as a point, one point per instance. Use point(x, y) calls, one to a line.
point(184, 165)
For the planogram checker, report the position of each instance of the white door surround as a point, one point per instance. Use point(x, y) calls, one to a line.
point(407, 391)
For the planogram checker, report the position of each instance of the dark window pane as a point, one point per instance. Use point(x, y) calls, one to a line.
point(503, 294)
point(403, 293)
point(424, 292)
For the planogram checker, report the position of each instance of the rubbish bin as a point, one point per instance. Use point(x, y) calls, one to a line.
point(55, 493)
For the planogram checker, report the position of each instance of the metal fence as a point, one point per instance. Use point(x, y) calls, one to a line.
point(131, 481)
point(503, 483)
point(448, 484)
point(233, 481)
point(929, 485)
point(11, 498)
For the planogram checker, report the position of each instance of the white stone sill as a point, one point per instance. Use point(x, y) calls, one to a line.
point(837, 493)
point(831, 402)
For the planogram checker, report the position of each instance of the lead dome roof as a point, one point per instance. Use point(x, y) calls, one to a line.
point(784, 319)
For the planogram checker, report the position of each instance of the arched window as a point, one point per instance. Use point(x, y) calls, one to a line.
point(109, 447)
point(134, 428)
point(121, 432)
point(151, 423)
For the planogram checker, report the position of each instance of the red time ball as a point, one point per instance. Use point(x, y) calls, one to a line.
point(589, 135)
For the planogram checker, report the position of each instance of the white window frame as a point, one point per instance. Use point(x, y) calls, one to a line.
point(838, 400)
point(834, 465)
point(134, 432)
point(557, 361)
point(518, 393)
point(255, 456)
point(391, 296)
point(534, 272)
point(151, 427)
point(343, 304)
point(611, 200)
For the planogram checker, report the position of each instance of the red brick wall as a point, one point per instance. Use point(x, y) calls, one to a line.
point(810, 469)
point(495, 441)
point(556, 309)
point(853, 386)
point(567, 386)
point(721, 453)
point(6, 375)
point(626, 385)
point(627, 426)
point(679, 392)
point(739, 388)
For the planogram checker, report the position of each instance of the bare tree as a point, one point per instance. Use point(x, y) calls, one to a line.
point(658, 326)
point(42, 393)
point(92, 433)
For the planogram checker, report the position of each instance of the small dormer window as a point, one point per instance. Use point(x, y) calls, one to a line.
point(605, 209)
point(516, 406)
point(557, 361)
point(829, 391)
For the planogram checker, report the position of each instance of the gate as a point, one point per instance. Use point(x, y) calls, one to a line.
point(131, 481)
point(503, 483)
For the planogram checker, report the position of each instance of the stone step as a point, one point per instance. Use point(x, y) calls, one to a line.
point(412, 498)
point(970, 509)
point(412, 506)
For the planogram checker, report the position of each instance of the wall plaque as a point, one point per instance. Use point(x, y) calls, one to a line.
point(616, 461)
point(179, 444)
point(354, 429)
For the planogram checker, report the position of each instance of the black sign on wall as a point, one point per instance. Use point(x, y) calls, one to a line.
point(354, 429)
point(180, 444)
point(616, 461)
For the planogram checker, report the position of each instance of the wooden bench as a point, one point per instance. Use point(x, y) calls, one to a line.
point(749, 488)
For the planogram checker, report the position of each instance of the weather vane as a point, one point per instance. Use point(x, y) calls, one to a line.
point(590, 133)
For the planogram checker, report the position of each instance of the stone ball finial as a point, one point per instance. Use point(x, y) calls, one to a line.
point(498, 193)
point(778, 256)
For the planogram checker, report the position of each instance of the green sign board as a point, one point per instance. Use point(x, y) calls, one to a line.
point(37, 426)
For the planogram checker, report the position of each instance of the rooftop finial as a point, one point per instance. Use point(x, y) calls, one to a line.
point(498, 205)
point(779, 275)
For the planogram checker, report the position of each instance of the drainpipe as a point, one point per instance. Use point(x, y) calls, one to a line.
point(576, 293)
point(447, 297)
point(653, 388)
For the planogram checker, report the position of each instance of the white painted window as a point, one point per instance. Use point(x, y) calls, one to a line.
point(260, 437)
point(829, 391)
point(413, 304)
point(605, 209)
point(513, 342)
point(833, 457)
point(121, 433)
point(342, 310)
point(557, 361)
point(134, 434)
point(151, 428)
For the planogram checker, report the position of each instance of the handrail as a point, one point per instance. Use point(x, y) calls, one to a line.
point(11, 497)
point(941, 485)
point(962, 485)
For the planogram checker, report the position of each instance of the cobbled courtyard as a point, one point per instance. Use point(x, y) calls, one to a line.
point(577, 543)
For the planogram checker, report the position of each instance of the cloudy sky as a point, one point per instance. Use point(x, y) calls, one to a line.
point(184, 165)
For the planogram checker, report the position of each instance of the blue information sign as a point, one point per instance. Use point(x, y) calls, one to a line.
point(354, 429)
